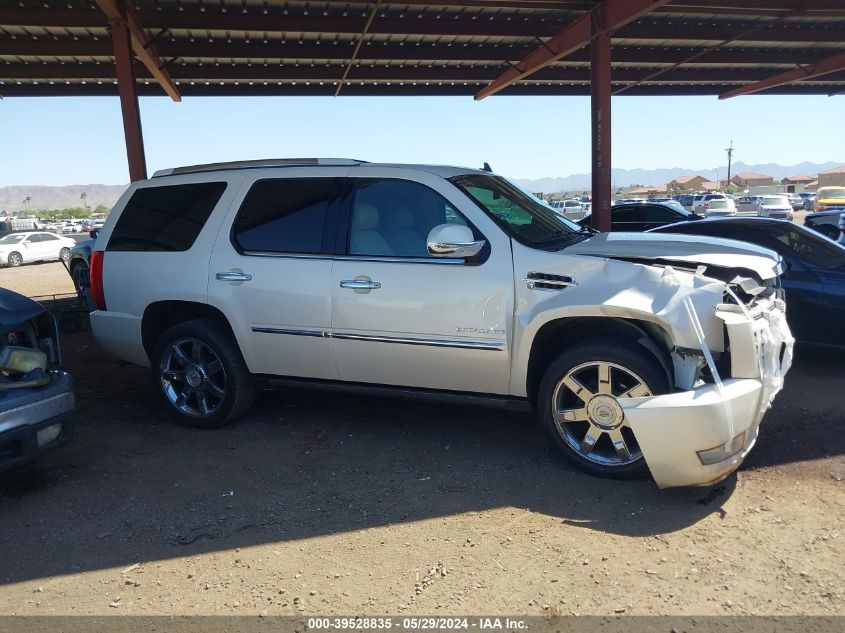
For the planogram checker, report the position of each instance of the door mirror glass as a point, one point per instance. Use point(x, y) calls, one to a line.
point(94, 233)
point(453, 240)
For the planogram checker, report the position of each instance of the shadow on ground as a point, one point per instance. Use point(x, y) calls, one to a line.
point(135, 486)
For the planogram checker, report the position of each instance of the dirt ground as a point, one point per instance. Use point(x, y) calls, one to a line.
point(330, 504)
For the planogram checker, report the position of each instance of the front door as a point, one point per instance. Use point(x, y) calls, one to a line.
point(403, 317)
point(270, 270)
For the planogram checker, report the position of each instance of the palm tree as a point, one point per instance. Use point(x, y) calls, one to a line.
point(84, 197)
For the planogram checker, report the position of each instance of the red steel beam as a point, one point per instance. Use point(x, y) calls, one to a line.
point(600, 93)
point(825, 66)
point(128, 92)
point(616, 13)
point(116, 10)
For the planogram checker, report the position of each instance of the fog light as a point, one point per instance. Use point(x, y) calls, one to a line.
point(721, 453)
point(48, 434)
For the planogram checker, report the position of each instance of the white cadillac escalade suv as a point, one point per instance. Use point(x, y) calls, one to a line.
point(638, 353)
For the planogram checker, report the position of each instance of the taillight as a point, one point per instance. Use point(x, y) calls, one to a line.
point(95, 280)
point(706, 205)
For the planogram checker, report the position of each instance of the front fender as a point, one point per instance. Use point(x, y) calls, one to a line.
point(617, 289)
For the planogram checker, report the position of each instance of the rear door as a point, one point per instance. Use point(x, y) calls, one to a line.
point(271, 270)
point(403, 317)
point(51, 246)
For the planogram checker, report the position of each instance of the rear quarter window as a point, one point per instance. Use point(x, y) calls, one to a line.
point(165, 218)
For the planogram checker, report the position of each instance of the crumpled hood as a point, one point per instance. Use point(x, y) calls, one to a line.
point(683, 249)
point(16, 309)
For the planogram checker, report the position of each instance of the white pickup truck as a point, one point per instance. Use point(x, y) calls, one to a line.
point(637, 352)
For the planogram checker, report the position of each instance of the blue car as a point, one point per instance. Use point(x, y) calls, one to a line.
point(814, 276)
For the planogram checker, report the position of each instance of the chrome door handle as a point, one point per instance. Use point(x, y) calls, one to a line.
point(233, 276)
point(360, 284)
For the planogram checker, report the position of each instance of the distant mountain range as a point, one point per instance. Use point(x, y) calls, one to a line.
point(628, 177)
point(46, 197)
point(43, 197)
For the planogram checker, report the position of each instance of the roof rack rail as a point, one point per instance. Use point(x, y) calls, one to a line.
point(254, 164)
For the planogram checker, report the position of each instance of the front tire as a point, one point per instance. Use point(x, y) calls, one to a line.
point(200, 374)
point(64, 254)
point(579, 410)
point(79, 273)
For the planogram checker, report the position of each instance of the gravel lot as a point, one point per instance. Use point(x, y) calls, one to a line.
point(333, 504)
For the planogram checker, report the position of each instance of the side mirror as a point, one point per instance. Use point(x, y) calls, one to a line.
point(453, 240)
point(94, 233)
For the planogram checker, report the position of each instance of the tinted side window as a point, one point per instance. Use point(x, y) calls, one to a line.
point(657, 214)
point(47, 237)
point(630, 214)
point(165, 218)
point(34, 238)
point(394, 217)
point(284, 216)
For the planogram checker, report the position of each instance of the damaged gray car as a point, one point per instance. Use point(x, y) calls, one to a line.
point(36, 395)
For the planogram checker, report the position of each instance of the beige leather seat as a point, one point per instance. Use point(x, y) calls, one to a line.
point(402, 235)
point(364, 236)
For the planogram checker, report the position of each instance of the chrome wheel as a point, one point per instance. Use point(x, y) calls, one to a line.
point(193, 377)
point(587, 414)
point(15, 259)
point(64, 254)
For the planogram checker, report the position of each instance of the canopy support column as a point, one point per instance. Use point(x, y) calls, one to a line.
point(600, 90)
point(128, 91)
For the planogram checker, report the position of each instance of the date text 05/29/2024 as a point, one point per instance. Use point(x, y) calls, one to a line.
point(417, 623)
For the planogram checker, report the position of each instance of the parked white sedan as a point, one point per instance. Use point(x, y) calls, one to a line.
point(777, 207)
point(719, 208)
point(20, 248)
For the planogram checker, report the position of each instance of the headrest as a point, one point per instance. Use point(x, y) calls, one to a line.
point(402, 217)
point(365, 217)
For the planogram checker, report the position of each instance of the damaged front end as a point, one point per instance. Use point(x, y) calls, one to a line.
point(701, 434)
point(36, 395)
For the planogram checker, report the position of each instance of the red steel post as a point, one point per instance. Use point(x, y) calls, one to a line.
point(127, 89)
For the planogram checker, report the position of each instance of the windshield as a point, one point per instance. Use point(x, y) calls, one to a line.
point(522, 216)
point(831, 192)
point(12, 239)
point(774, 201)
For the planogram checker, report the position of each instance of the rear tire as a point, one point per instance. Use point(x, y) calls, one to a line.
point(200, 374)
point(15, 259)
point(578, 404)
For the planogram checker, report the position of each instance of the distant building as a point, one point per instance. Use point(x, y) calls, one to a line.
point(648, 191)
point(811, 186)
point(746, 179)
point(710, 185)
point(685, 183)
point(833, 177)
point(800, 179)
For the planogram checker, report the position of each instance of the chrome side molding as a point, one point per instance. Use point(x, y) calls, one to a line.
point(490, 346)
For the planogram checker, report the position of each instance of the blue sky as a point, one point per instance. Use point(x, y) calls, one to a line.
point(61, 141)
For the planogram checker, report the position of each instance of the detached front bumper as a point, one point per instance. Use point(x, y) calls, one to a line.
point(698, 437)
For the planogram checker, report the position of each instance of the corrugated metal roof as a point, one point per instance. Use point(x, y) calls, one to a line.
point(267, 47)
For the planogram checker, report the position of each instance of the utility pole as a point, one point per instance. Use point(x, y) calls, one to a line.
point(730, 152)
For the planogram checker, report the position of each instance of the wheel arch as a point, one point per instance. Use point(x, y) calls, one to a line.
point(556, 334)
point(162, 315)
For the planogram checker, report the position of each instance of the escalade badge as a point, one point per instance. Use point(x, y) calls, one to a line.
point(477, 330)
